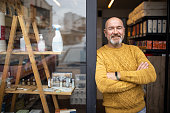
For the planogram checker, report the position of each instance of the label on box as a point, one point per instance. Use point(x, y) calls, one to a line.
point(144, 27)
point(141, 28)
point(164, 44)
point(129, 31)
point(159, 26)
point(164, 26)
point(134, 31)
point(154, 26)
point(149, 44)
point(149, 26)
point(2, 32)
point(137, 29)
point(160, 45)
point(155, 44)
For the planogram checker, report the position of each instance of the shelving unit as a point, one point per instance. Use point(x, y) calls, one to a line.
point(139, 31)
point(163, 77)
point(149, 36)
point(33, 90)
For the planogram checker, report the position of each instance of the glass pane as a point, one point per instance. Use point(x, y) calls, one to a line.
point(48, 52)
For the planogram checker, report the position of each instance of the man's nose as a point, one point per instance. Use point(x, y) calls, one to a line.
point(115, 31)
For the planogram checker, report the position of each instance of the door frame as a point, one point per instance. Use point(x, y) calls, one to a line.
point(91, 33)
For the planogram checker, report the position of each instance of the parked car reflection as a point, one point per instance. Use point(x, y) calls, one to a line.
point(73, 60)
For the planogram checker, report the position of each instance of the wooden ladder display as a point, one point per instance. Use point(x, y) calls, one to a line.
point(25, 30)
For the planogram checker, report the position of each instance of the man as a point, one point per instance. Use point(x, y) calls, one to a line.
point(121, 70)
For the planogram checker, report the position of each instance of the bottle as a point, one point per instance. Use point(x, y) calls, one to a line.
point(23, 82)
point(28, 82)
point(57, 43)
point(8, 83)
point(73, 83)
point(52, 82)
point(67, 82)
point(41, 44)
point(49, 82)
point(57, 82)
point(61, 81)
point(33, 82)
point(64, 82)
point(22, 44)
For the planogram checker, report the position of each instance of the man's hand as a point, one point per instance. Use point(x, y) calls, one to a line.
point(112, 76)
point(143, 65)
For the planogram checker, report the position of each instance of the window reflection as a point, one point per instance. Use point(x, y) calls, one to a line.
point(71, 16)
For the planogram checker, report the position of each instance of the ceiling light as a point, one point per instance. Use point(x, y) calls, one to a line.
point(110, 4)
point(57, 3)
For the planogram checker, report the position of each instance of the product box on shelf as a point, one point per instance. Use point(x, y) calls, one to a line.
point(63, 74)
point(159, 26)
point(155, 25)
point(164, 22)
point(35, 111)
point(65, 111)
point(144, 27)
point(80, 81)
point(23, 111)
point(155, 44)
point(141, 29)
point(137, 29)
point(164, 44)
point(149, 45)
point(149, 26)
point(78, 97)
point(79, 94)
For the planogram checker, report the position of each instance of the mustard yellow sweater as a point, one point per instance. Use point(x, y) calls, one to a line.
point(125, 95)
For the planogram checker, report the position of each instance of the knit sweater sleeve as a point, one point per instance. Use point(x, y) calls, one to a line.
point(106, 85)
point(143, 76)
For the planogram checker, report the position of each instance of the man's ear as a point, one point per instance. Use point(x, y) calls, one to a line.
point(105, 32)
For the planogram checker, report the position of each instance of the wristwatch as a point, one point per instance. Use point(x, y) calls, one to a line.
point(116, 76)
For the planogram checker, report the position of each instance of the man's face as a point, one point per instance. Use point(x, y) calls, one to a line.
point(114, 31)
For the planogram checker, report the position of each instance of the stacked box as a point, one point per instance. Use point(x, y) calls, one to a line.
point(147, 8)
point(79, 94)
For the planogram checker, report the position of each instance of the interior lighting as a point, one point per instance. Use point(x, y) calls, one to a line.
point(57, 3)
point(110, 4)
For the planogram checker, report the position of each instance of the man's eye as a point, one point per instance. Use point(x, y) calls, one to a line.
point(119, 27)
point(110, 28)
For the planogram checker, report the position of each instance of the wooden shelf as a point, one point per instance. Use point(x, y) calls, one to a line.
point(149, 36)
point(33, 90)
point(156, 51)
point(146, 18)
point(34, 52)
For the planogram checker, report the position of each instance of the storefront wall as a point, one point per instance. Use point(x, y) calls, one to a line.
point(76, 22)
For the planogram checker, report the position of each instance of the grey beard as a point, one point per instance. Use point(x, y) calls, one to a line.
point(115, 43)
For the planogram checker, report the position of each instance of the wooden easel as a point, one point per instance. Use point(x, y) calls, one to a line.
point(25, 29)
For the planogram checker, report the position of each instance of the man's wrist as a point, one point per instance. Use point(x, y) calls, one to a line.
point(116, 74)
